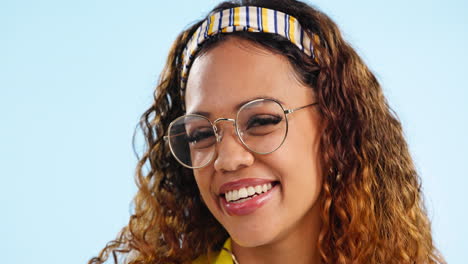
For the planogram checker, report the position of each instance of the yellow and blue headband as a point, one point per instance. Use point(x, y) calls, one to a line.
point(246, 18)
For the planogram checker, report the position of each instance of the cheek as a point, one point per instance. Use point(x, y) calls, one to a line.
point(201, 182)
point(203, 179)
point(300, 146)
point(298, 161)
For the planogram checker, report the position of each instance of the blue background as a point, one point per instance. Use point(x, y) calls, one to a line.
point(76, 75)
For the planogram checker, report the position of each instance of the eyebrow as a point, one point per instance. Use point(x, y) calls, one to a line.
point(239, 105)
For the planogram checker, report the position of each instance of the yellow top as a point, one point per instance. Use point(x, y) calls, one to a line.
point(221, 257)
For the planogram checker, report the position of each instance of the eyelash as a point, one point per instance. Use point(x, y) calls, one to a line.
point(264, 121)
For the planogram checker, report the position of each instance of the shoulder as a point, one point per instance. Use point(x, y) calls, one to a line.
point(220, 257)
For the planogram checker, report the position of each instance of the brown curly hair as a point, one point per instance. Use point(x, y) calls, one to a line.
point(372, 204)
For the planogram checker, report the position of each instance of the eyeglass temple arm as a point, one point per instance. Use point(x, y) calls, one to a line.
point(289, 111)
point(167, 137)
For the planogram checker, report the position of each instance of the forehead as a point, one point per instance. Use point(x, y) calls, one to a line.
point(235, 71)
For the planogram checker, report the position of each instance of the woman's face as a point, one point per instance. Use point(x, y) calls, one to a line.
point(233, 72)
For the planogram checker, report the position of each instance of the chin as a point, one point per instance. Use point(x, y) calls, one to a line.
point(254, 235)
point(251, 241)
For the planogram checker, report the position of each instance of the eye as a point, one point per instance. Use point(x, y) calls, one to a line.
point(198, 135)
point(263, 120)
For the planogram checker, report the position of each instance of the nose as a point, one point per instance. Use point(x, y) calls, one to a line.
point(231, 153)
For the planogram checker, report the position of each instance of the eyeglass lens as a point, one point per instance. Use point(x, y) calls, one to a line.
point(261, 127)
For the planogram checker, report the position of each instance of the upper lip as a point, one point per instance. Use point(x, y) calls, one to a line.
point(234, 185)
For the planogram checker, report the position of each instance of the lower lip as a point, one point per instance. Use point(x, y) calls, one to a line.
point(250, 205)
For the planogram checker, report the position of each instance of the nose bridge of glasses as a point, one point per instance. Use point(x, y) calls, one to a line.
point(219, 135)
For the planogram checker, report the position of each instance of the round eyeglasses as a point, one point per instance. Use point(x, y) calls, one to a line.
point(261, 125)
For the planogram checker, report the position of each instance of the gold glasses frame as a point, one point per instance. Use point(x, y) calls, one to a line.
point(238, 133)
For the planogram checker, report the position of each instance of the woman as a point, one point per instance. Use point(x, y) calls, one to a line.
point(270, 141)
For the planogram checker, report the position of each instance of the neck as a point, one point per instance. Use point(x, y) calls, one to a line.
point(298, 245)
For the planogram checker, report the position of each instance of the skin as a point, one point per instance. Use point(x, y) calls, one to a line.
point(286, 228)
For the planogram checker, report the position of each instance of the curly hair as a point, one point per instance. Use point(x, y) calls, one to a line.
point(372, 203)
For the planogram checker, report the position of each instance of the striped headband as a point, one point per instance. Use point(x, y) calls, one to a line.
point(246, 18)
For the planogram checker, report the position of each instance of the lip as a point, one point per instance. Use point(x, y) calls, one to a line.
point(250, 205)
point(235, 185)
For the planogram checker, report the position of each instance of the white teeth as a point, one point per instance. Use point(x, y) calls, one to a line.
point(250, 191)
point(242, 193)
point(245, 192)
point(258, 189)
point(235, 195)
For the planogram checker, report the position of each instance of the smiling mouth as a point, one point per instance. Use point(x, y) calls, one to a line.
point(246, 193)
